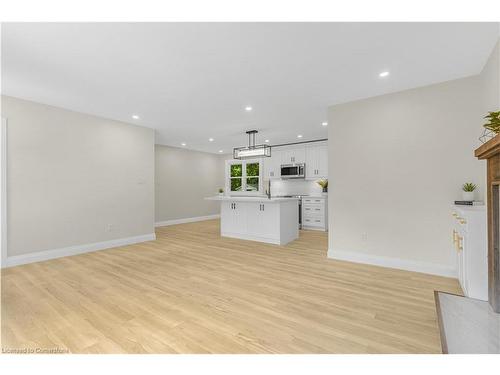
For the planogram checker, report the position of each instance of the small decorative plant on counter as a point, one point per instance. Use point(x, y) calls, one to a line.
point(492, 127)
point(221, 191)
point(468, 191)
point(324, 184)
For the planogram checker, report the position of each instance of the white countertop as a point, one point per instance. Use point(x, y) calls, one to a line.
point(262, 198)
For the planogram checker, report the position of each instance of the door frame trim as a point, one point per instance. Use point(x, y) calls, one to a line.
point(3, 191)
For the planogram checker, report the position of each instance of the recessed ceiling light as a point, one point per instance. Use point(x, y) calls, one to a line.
point(210, 139)
point(267, 141)
point(183, 144)
point(324, 123)
point(383, 74)
point(248, 108)
point(221, 151)
point(299, 136)
point(135, 117)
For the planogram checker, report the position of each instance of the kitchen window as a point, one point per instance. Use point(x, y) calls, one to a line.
point(236, 171)
point(244, 177)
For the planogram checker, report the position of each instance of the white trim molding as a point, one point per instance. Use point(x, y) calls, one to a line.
point(186, 220)
point(389, 262)
point(3, 192)
point(40, 256)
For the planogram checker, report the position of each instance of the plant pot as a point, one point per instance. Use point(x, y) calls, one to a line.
point(221, 194)
point(468, 195)
point(325, 190)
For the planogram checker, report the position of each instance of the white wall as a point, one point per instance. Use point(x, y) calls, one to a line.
point(183, 179)
point(75, 179)
point(490, 82)
point(396, 164)
point(3, 190)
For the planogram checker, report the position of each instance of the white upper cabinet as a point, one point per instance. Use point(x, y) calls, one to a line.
point(323, 161)
point(314, 155)
point(293, 155)
point(316, 161)
point(272, 165)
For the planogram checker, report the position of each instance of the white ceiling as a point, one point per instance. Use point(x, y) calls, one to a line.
point(191, 81)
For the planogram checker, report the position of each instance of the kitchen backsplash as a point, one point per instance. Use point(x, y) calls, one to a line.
point(295, 187)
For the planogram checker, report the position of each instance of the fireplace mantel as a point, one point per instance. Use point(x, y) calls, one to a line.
point(490, 151)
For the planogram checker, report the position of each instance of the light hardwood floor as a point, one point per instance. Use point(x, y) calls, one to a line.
point(191, 291)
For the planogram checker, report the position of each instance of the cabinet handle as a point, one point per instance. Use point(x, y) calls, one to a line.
point(263, 207)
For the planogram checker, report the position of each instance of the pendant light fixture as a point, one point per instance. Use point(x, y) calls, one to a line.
point(252, 150)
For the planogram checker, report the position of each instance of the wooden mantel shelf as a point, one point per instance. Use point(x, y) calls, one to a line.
point(490, 148)
point(491, 152)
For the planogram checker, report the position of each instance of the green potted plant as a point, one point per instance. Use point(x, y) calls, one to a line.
point(324, 184)
point(492, 127)
point(468, 191)
point(494, 122)
point(221, 192)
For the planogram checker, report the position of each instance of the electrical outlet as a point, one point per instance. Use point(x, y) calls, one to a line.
point(109, 227)
point(364, 236)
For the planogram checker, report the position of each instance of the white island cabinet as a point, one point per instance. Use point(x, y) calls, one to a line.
point(261, 219)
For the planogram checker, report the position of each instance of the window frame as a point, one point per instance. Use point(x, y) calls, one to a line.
point(244, 177)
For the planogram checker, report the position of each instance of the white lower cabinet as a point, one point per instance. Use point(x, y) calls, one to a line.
point(471, 246)
point(271, 221)
point(262, 219)
point(315, 213)
point(235, 217)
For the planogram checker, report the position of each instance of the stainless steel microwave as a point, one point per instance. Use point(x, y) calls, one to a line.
point(293, 170)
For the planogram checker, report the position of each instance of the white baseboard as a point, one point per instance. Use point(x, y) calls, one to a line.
point(40, 256)
point(402, 264)
point(186, 220)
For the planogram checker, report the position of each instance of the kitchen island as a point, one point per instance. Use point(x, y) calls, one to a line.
point(263, 219)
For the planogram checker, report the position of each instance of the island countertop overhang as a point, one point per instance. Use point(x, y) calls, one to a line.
point(251, 199)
